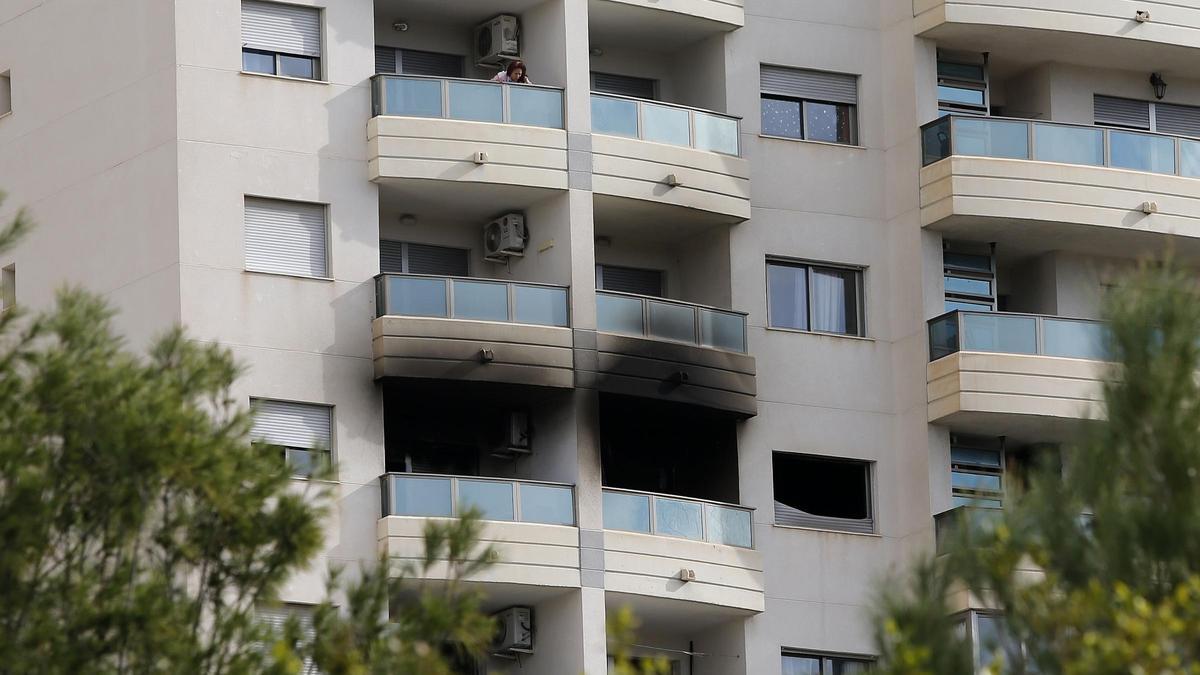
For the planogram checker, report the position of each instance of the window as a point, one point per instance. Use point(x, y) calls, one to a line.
point(276, 617)
point(629, 280)
point(823, 492)
point(969, 280)
point(809, 104)
point(1131, 150)
point(990, 639)
point(286, 237)
point(800, 663)
point(815, 298)
point(5, 93)
point(641, 664)
point(415, 62)
point(962, 85)
point(401, 257)
point(977, 471)
point(8, 288)
point(624, 85)
point(302, 430)
point(279, 39)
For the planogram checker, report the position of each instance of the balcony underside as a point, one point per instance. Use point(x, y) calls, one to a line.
point(649, 368)
point(1084, 32)
point(709, 184)
point(1024, 398)
point(662, 24)
point(1033, 207)
point(450, 349)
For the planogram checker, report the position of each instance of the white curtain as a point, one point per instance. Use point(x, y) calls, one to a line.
point(829, 301)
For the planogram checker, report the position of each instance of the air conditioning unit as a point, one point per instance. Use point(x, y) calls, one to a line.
point(497, 41)
point(505, 237)
point(514, 630)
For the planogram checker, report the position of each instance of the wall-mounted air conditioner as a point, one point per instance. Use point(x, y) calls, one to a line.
point(497, 41)
point(505, 237)
point(514, 631)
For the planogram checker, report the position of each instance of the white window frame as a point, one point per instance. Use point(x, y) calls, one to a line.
point(318, 61)
point(328, 454)
point(8, 287)
point(860, 283)
point(328, 253)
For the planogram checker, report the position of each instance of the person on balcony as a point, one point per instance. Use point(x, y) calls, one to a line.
point(515, 72)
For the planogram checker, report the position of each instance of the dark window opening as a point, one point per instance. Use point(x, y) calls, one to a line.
point(821, 492)
point(669, 448)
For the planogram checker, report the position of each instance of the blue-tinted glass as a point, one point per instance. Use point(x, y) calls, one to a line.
point(671, 322)
point(663, 124)
point(728, 526)
point(801, 665)
point(977, 456)
point(969, 261)
point(935, 142)
point(965, 95)
point(255, 62)
point(626, 512)
point(304, 462)
point(829, 122)
point(963, 305)
point(413, 496)
point(1069, 145)
point(535, 107)
point(991, 138)
point(409, 296)
point(480, 300)
point(719, 134)
point(614, 116)
point(781, 118)
point(540, 305)
point(618, 314)
point(999, 333)
point(1075, 339)
point(547, 504)
point(975, 481)
point(478, 102)
point(412, 97)
point(969, 286)
point(675, 518)
point(788, 289)
point(722, 330)
point(1189, 158)
point(1141, 152)
point(978, 503)
point(960, 71)
point(298, 66)
point(493, 499)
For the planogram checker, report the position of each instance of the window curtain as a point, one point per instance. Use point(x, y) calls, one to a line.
point(829, 301)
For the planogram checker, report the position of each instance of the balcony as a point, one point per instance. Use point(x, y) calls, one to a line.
point(1085, 32)
point(1090, 189)
point(1023, 376)
point(530, 524)
point(466, 133)
point(455, 328)
point(665, 158)
point(680, 21)
point(649, 538)
point(673, 351)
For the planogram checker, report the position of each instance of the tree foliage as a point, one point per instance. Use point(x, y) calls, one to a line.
point(1116, 537)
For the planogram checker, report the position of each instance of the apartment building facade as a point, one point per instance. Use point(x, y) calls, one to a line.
point(719, 318)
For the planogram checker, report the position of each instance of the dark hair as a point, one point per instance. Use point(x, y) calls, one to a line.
point(513, 66)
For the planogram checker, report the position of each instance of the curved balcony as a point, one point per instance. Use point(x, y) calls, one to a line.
point(650, 540)
point(665, 158)
point(530, 524)
point(466, 132)
point(674, 351)
point(1024, 376)
point(461, 328)
point(1050, 185)
point(1087, 32)
point(673, 20)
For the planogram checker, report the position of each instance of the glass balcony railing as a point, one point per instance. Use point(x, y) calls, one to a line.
point(663, 319)
point(1007, 333)
point(470, 298)
point(668, 516)
point(665, 123)
point(513, 501)
point(1056, 142)
point(947, 524)
point(471, 100)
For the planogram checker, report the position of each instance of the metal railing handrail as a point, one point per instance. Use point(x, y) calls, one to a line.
point(652, 500)
point(386, 479)
point(641, 103)
point(696, 310)
point(1039, 329)
point(1106, 132)
point(382, 303)
point(377, 97)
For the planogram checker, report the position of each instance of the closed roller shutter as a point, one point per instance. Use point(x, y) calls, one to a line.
point(292, 425)
point(1121, 112)
point(1177, 120)
point(391, 257)
point(286, 237)
point(275, 27)
point(629, 280)
point(813, 85)
point(385, 60)
point(276, 618)
point(439, 260)
point(623, 85)
point(437, 64)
